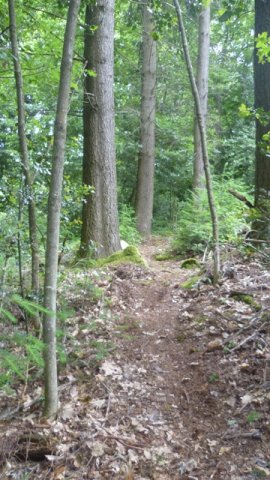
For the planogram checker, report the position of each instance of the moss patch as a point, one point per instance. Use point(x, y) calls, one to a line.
point(246, 298)
point(160, 257)
point(130, 254)
point(190, 282)
point(190, 263)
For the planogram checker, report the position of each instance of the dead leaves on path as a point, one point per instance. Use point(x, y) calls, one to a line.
point(162, 384)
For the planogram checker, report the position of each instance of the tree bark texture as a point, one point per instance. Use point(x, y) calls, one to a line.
point(54, 207)
point(202, 86)
point(32, 221)
point(146, 161)
point(262, 102)
point(100, 228)
point(201, 125)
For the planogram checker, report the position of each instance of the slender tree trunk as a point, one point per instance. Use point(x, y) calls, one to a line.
point(146, 162)
point(33, 234)
point(201, 126)
point(202, 86)
point(262, 102)
point(54, 207)
point(100, 215)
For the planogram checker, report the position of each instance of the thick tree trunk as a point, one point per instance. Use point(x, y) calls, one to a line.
point(100, 229)
point(262, 102)
point(54, 207)
point(145, 176)
point(202, 86)
point(201, 126)
point(33, 235)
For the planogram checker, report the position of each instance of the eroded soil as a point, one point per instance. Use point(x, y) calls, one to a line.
point(163, 382)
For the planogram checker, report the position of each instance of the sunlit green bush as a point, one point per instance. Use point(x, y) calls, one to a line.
point(128, 230)
point(194, 229)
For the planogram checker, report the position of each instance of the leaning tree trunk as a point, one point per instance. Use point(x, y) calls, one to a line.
point(146, 161)
point(262, 103)
point(33, 235)
point(100, 229)
point(201, 125)
point(54, 208)
point(202, 86)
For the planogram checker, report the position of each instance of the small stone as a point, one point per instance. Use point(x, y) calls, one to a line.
point(216, 344)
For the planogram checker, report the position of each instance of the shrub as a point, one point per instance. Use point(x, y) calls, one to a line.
point(128, 230)
point(194, 228)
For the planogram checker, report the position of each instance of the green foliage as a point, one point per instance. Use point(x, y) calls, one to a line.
point(213, 377)
point(263, 47)
point(194, 229)
point(21, 354)
point(128, 230)
point(253, 416)
point(101, 349)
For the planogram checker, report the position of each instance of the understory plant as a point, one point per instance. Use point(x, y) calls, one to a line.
point(193, 231)
point(127, 228)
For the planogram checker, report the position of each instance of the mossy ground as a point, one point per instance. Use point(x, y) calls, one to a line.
point(130, 254)
point(190, 263)
point(248, 299)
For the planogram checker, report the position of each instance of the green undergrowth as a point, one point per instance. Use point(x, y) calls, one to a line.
point(127, 227)
point(193, 231)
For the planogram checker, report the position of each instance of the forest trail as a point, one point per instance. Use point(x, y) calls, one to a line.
point(177, 392)
point(179, 401)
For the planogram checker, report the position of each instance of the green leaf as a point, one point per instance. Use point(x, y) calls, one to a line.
point(91, 73)
point(8, 315)
point(155, 36)
point(244, 111)
point(30, 307)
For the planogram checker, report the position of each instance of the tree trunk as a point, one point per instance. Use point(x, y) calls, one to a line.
point(262, 102)
point(201, 126)
point(146, 161)
point(100, 228)
point(33, 235)
point(202, 86)
point(54, 207)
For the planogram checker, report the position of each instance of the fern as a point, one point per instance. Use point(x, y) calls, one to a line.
point(10, 362)
point(8, 315)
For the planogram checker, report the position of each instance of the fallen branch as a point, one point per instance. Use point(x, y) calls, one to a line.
point(242, 198)
point(256, 434)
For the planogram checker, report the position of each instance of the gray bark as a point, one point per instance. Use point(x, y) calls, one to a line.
point(54, 207)
point(146, 161)
point(100, 215)
point(201, 125)
point(33, 234)
point(202, 86)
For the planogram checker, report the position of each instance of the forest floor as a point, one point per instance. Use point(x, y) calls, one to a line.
point(162, 382)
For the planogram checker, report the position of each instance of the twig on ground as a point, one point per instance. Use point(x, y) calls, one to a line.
point(253, 336)
point(256, 434)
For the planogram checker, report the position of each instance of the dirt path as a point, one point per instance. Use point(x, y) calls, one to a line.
point(178, 397)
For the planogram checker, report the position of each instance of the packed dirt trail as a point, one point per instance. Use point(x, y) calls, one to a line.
point(174, 389)
point(180, 392)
